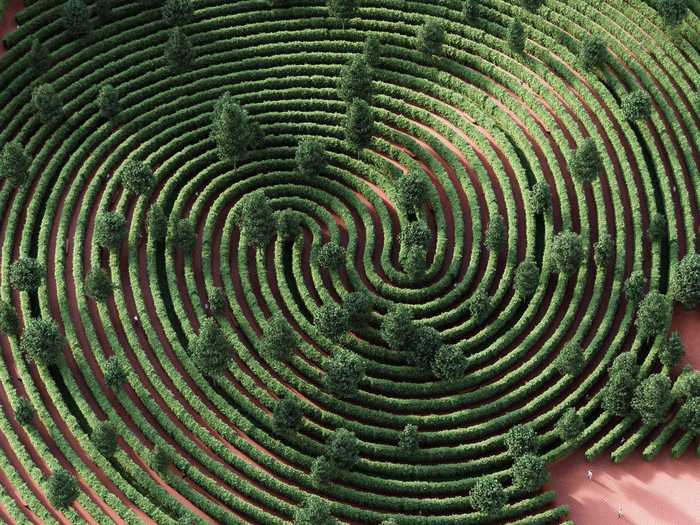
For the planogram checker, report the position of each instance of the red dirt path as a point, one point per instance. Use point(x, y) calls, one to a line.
point(8, 23)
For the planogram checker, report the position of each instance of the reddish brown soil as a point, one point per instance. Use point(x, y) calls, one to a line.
point(8, 22)
point(687, 324)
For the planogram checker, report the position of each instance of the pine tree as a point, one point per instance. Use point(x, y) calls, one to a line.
point(179, 51)
point(355, 81)
point(233, 130)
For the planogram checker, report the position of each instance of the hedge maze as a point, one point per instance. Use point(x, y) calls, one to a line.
point(313, 262)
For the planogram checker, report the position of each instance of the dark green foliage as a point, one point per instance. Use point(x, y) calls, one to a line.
point(9, 322)
point(635, 286)
point(103, 10)
point(652, 398)
point(412, 189)
point(98, 285)
point(603, 250)
point(183, 235)
point(358, 306)
point(359, 125)
point(24, 412)
point(108, 102)
point(110, 230)
point(137, 177)
point(541, 197)
point(653, 315)
point(311, 157)
point(279, 338)
point(256, 219)
point(687, 384)
point(288, 224)
point(450, 363)
point(115, 374)
point(39, 59)
point(570, 359)
point(414, 261)
point(671, 350)
point(567, 252)
point(14, 164)
point(424, 346)
point(570, 426)
point(689, 416)
point(516, 36)
point(415, 233)
point(431, 37)
point(177, 12)
point(618, 391)
point(531, 5)
point(42, 342)
point(287, 415)
point(104, 437)
point(529, 473)
point(471, 11)
point(521, 439)
point(479, 305)
point(685, 283)
point(26, 274)
point(76, 17)
point(332, 321)
point(342, 9)
point(159, 459)
point(330, 256)
point(157, 223)
point(672, 12)
point(527, 278)
point(398, 330)
point(495, 238)
point(343, 449)
point(344, 371)
point(355, 81)
point(657, 227)
point(409, 440)
point(62, 489)
point(373, 51)
point(586, 164)
point(210, 350)
point(47, 103)
point(178, 50)
point(636, 105)
point(233, 130)
point(314, 511)
point(487, 496)
point(217, 300)
point(322, 471)
point(593, 52)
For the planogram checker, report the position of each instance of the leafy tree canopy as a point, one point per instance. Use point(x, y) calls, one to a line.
point(567, 252)
point(287, 415)
point(636, 105)
point(26, 274)
point(527, 278)
point(653, 315)
point(42, 342)
point(311, 157)
point(110, 230)
point(522, 439)
point(279, 338)
point(431, 37)
point(210, 349)
point(332, 321)
point(593, 52)
point(450, 363)
point(256, 219)
point(62, 489)
point(529, 473)
point(652, 398)
point(344, 371)
point(487, 495)
point(570, 425)
point(355, 80)
point(14, 164)
point(98, 285)
point(685, 283)
point(587, 165)
point(359, 125)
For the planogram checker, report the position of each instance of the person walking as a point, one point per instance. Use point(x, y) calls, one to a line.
point(620, 515)
point(589, 475)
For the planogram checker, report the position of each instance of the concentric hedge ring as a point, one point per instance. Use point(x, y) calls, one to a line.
point(482, 123)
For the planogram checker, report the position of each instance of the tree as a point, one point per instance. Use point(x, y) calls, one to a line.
point(178, 50)
point(314, 511)
point(635, 286)
point(256, 219)
point(343, 449)
point(279, 338)
point(210, 350)
point(471, 11)
point(103, 10)
point(529, 473)
point(332, 321)
point(373, 51)
point(157, 223)
point(412, 190)
point(521, 439)
point(479, 305)
point(408, 440)
point(358, 306)
point(344, 371)
point(414, 261)
point(24, 413)
point(586, 164)
point(541, 197)
point(177, 12)
point(42, 342)
point(46, 103)
point(233, 130)
point(108, 101)
point(343, 10)
point(425, 343)
point(495, 237)
point(322, 471)
point(115, 375)
point(137, 177)
point(449, 364)
point(26, 274)
point(330, 256)
point(687, 383)
point(359, 125)
point(98, 285)
point(287, 415)
point(39, 59)
point(636, 105)
point(531, 5)
point(653, 315)
point(672, 12)
point(110, 230)
point(671, 350)
point(288, 224)
point(685, 283)
point(76, 17)
point(62, 489)
point(397, 329)
point(527, 279)
point(689, 416)
point(570, 426)
point(618, 391)
point(570, 359)
point(159, 459)
point(9, 322)
point(311, 157)
point(567, 252)
point(355, 80)
point(217, 300)
point(657, 227)
point(104, 437)
point(14, 164)
point(652, 398)
point(603, 250)
point(487, 495)
point(415, 233)
point(183, 235)
point(516, 36)
point(431, 37)
point(593, 52)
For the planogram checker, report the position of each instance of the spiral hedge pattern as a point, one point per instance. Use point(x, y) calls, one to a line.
point(484, 123)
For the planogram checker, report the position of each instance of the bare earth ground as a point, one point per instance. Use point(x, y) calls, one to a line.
point(7, 23)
